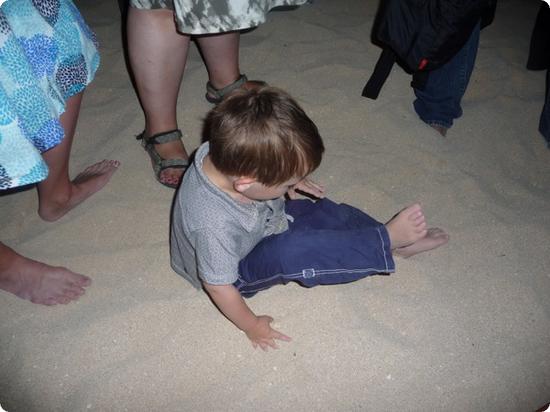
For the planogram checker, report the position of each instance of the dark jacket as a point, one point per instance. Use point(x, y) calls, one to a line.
point(423, 35)
point(539, 52)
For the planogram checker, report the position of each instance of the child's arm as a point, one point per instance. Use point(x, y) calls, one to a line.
point(230, 302)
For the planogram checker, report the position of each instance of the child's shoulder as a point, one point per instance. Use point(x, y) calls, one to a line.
point(202, 205)
point(202, 209)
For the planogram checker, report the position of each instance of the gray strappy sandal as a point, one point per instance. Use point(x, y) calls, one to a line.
point(160, 164)
point(216, 96)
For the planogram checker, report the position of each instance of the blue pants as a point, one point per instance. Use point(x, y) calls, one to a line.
point(439, 102)
point(327, 243)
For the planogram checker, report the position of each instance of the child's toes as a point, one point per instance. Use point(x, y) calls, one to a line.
point(411, 210)
point(419, 221)
point(416, 215)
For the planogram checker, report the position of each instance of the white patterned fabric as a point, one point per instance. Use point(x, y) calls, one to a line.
point(216, 16)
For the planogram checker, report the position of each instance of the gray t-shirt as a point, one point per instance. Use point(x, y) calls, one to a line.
point(211, 232)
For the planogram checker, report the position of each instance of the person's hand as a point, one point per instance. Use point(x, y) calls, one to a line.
point(263, 335)
point(307, 186)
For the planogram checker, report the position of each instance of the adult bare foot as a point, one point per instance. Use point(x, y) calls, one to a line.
point(434, 238)
point(91, 180)
point(407, 227)
point(38, 282)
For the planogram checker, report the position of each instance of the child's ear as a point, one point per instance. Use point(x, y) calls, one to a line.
point(242, 184)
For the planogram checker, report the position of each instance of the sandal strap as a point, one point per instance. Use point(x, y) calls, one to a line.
point(160, 164)
point(173, 163)
point(160, 138)
point(220, 93)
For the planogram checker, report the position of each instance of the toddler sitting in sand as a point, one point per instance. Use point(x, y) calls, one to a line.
point(234, 234)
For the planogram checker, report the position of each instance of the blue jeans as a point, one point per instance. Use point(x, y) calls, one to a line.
point(327, 243)
point(439, 103)
point(544, 124)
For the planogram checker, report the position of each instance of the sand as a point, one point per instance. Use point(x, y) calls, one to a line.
point(463, 328)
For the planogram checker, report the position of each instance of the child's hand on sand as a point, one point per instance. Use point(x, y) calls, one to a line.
point(307, 186)
point(263, 335)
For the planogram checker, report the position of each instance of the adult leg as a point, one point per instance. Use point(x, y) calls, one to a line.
point(57, 194)
point(439, 103)
point(38, 282)
point(157, 55)
point(221, 57)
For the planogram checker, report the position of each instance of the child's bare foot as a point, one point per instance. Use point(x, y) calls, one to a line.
point(434, 238)
point(91, 180)
point(38, 282)
point(407, 227)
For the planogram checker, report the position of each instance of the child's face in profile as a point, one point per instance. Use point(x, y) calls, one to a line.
point(259, 191)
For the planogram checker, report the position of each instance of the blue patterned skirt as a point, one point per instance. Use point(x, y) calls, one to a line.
point(47, 54)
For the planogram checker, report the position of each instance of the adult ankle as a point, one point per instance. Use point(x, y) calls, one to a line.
point(49, 210)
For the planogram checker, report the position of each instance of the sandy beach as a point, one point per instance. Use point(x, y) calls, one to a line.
point(463, 328)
